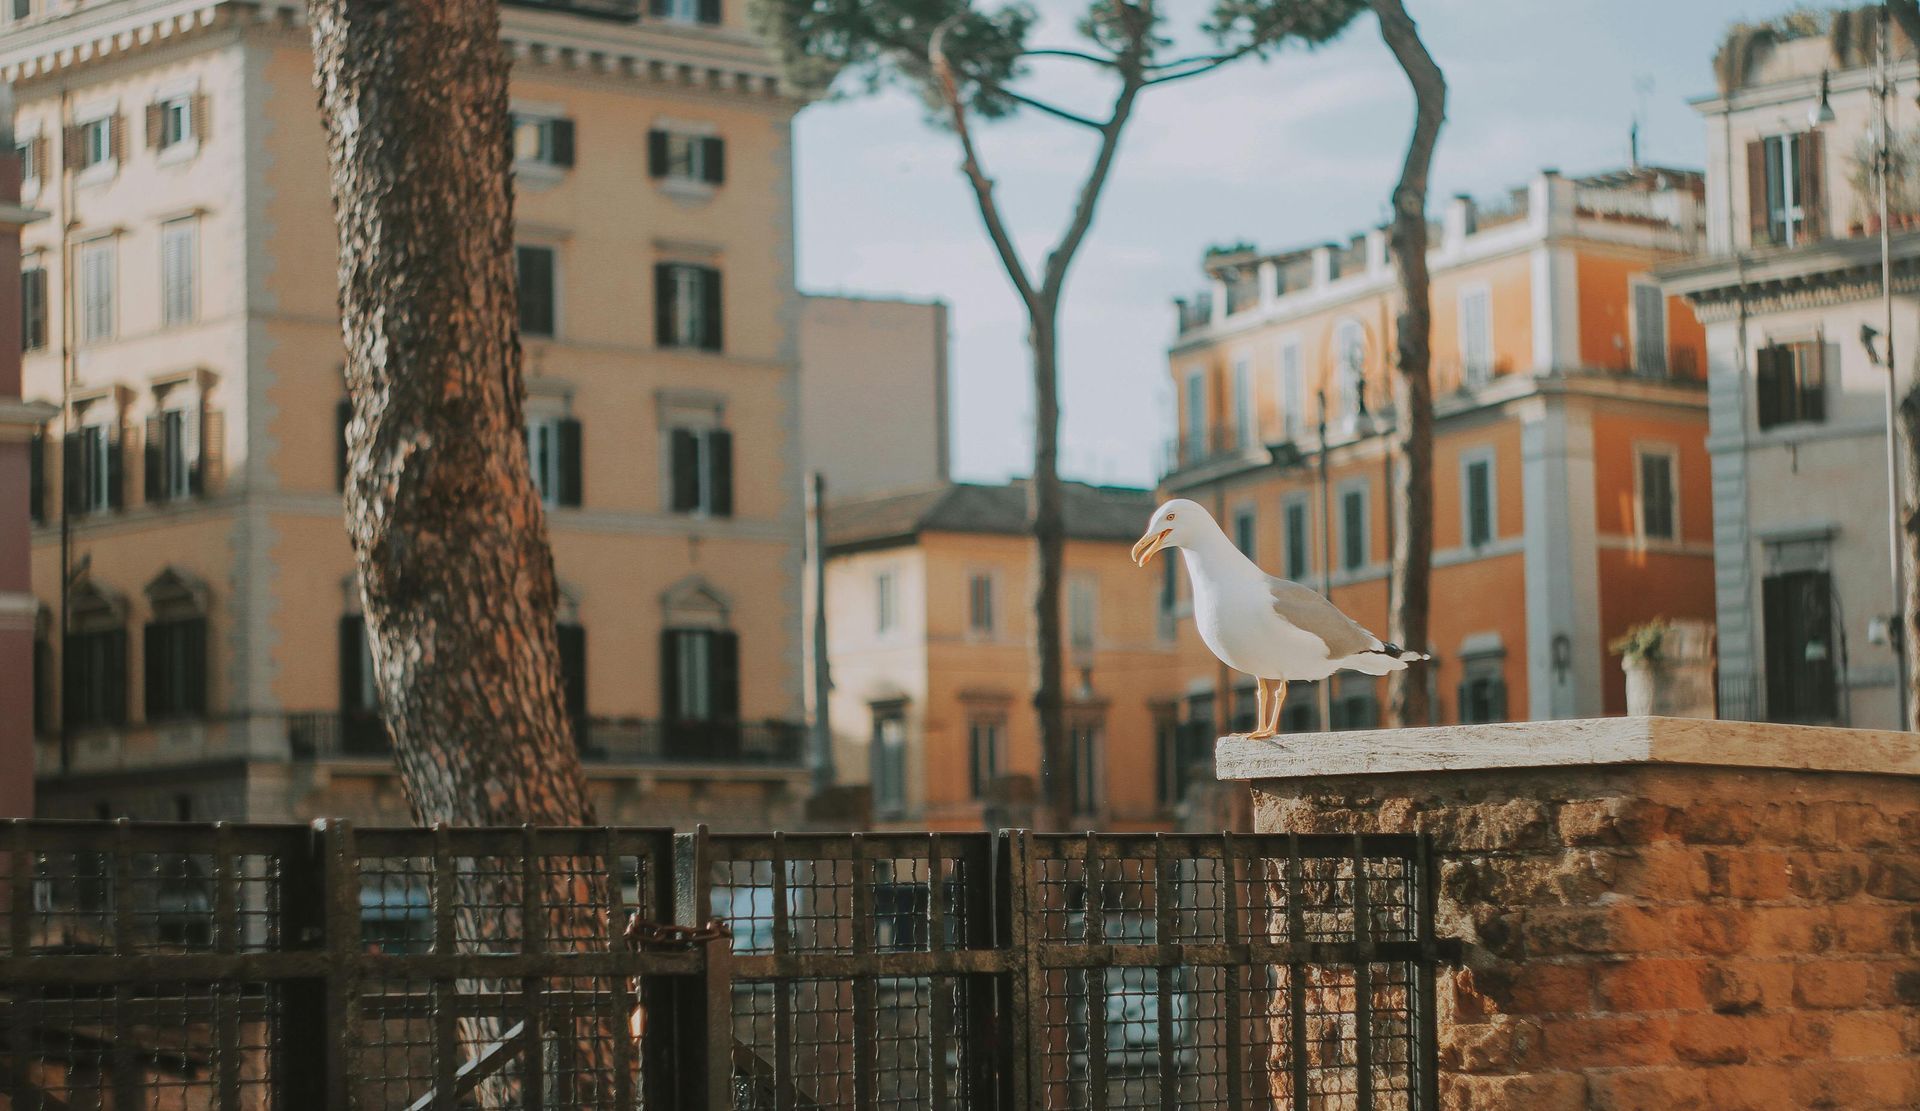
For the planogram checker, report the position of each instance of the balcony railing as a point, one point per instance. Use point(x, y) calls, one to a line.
point(603, 740)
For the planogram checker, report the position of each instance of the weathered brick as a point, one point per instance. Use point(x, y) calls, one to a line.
point(1602, 929)
point(1827, 877)
point(1791, 931)
point(1736, 987)
point(1611, 821)
point(1712, 929)
point(1505, 1093)
point(1538, 987)
point(1868, 1033)
point(1856, 1085)
point(1668, 1089)
point(1894, 877)
point(1747, 1087)
point(1866, 826)
point(1660, 873)
point(1757, 875)
point(1832, 984)
point(1710, 1039)
point(1491, 826)
point(1716, 823)
point(1653, 984)
point(1607, 1041)
point(1863, 927)
point(1502, 1045)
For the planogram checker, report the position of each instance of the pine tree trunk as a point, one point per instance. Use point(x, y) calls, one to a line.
point(448, 532)
point(1046, 523)
point(1908, 431)
point(1412, 444)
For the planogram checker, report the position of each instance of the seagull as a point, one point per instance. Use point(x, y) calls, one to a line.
point(1272, 629)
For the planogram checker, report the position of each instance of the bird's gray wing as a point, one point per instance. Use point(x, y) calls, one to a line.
point(1305, 608)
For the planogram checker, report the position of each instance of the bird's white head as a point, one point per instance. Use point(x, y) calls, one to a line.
point(1177, 524)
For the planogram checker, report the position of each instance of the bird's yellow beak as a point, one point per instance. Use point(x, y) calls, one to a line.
point(1148, 545)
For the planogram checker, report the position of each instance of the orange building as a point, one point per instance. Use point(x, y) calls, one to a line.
point(1572, 497)
point(929, 651)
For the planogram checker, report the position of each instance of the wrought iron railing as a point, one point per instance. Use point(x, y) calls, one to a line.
point(602, 740)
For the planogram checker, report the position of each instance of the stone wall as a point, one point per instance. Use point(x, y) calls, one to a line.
point(1659, 935)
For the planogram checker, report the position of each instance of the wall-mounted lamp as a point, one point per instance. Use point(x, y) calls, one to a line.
point(1562, 656)
point(1823, 111)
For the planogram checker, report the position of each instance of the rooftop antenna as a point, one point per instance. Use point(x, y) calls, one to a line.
point(1642, 85)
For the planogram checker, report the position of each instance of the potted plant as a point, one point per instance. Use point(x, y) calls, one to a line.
point(1669, 668)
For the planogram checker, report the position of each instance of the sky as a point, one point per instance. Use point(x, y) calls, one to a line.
point(1302, 148)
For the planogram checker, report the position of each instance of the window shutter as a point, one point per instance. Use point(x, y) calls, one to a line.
point(710, 308)
point(573, 676)
point(193, 652)
point(353, 633)
point(716, 159)
point(116, 685)
point(570, 473)
point(1813, 207)
point(210, 465)
point(156, 460)
point(535, 273)
point(153, 650)
point(72, 147)
point(201, 110)
point(670, 675)
point(1766, 377)
point(117, 136)
point(71, 464)
point(197, 439)
point(41, 147)
point(1757, 216)
point(720, 461)
point(686, 471)
point(37, 476)
point(663, 304)
point(156, 124)
point(560, 140)
point(709, 11)
point(33, 308)
point(1497, 699)
point(656, 153)
point(1463, 702)
point(342, 416)
point(1813, 392)
point(724, 666)
point(116, 473)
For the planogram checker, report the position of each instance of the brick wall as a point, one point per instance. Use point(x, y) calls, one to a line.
point(1656, 936)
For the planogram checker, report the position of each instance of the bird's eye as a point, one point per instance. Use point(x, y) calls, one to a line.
point(1169, 516)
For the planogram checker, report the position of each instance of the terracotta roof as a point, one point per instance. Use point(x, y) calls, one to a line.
point(1093, 513)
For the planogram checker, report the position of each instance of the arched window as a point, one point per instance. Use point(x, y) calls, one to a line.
point(94, 670)
point(174, 647)
point(699, 671)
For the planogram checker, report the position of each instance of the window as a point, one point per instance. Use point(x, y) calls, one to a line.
point(534, 269)
point(884, 603)
point(542, 140)
point(361, 730)
point(91, 143)
point(1299, 540)
point(19, 9)
point(1293, 397)
point(1083, 750)
point(1082, 601)
point(700, 679)
point(1792, 381)
point(687, 308)
point(1350, 349)
point(1196, 415)
point(682, 157)
point(553, 455)
point(1476, 499)
point(96, 289)
point(33, 308)
point(175, 651)
point(1170, 766)
point(179, 251)
point(1784, 189)
point(1353, 528)
point(174, 121)
point(96, 677)
point(703, 471)
point(1245, 419)
point(93, 469)
point(572, 639)
point(1801, 674)
point(173, 454)
point(1169, 596)
point(1355, 704)
point(1476, 336)
point(983, 754)
point(1243, 531)
point(686, 11)
point(980, 603)
point(37, 476)
point(28, 152)
point(1649, 330)
point(1483, 689)
point(1654, 500)
point(890, 760)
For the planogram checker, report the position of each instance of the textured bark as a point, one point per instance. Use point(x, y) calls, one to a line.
point(1411, 448)
point(1907, 428)
point(448, 533)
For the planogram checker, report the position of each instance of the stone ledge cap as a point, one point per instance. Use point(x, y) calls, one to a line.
point(1553, 744)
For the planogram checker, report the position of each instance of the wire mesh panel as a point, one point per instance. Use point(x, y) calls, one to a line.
point(1203, 971)
point(864, 966)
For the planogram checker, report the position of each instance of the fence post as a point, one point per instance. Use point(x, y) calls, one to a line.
point(319, 912)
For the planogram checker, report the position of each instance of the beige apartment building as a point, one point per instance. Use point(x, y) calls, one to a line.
point(1789, 290)
point(205, 657)
point(930, 653)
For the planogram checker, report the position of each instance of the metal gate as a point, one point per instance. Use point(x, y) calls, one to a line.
point(242, 967)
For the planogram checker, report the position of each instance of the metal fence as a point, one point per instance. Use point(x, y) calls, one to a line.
point(242, 967)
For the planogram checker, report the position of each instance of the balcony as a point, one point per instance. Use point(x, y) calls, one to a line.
point(603, 740)
point(620, 11)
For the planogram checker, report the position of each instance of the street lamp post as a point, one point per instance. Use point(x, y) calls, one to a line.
point(1883, 93)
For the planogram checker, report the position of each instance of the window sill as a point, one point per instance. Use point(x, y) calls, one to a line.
point(538, 175)
point(688, 190)
point(183, 151)
point(99, 173)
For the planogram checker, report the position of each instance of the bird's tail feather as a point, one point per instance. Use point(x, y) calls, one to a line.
point(1405, 655)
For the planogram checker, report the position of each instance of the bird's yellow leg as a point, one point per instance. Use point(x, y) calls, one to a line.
point(1260, 706)
point(1279, 704)
point(1269, 713)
